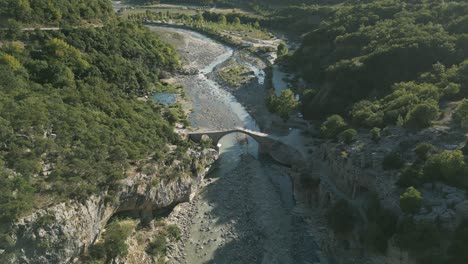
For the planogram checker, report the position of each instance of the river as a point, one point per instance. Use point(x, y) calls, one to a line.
point(245, 213)
point(245, 210)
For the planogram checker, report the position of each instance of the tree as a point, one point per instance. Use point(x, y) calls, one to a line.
point(10, 61)
point(349, 135)
point(223, 20)
point(14, 27)
point(256, 24)
point(333, 126)
point(423, 150)
point(411, 176)
point(199, 17)
point(115, 239)
point(451, 90)
point(375, 134)
point(422, 115)
point(461, 112)
point(410, 200)
point(286, 103)
point(237, 21)
point(367, 113)
point(282, 50)
point(448, 166)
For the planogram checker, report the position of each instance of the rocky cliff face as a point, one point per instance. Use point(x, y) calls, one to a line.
point(352, 172)
point(61, 233)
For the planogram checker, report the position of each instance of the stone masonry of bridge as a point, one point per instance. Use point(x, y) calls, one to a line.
point(268, 144)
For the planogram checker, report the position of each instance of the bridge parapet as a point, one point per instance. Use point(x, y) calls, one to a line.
point(268, 144)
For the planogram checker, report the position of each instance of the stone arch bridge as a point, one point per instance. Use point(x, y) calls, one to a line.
point(268, 144)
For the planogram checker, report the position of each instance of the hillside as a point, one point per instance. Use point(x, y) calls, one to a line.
point(366, 51)
point(43, 12)
point(74, 122)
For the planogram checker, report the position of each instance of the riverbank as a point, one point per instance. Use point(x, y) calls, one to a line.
point(248, 205)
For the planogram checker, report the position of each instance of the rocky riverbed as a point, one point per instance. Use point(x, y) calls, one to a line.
point(245, 213)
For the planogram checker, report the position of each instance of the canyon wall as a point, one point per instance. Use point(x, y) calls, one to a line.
point(62, 232)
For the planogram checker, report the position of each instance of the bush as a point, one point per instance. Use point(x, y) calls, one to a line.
point(410, 200)
point(447, 166)
point(367, 114)
point(174, 232)
point(461, 112)
point(348, 136)
point(6, 241)
point(451, 90)
point(97, 251)
point(410, 176)
point(422, 150)
point(115, 238)
point(333, 126)
point(392, 161)
point(157, 247)
point(282, 105)
point(340, 217)
point(375, 134)
point(422, 115)
point(464, 149)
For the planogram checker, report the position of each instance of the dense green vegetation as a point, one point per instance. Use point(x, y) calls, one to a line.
point(402, 58)
point(410, 200)
point(236, 75)
point(284, 104)
point(211, 23)
point(46, 12)
point(71, 124)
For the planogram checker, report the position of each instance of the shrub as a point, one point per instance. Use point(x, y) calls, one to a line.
point(348, 135)
point(157, 247)
point(115, 238)
point(173, 231)
point(422, 115)
point(451, 90)
point(97, 251)
point(461, 112)
point(171, 115)
point(367, 114)
point(333, 126)
point(392, 161)
point(282, 105)
point(410, 176)
point(6, 241)
point(340, 217)
point(464, 149)
point(422, 150)
point(448, 166)
point(375, 134)
point(410, 200)
point(282, 50)
point(206, 142)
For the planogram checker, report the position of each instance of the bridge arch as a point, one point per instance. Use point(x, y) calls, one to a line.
point(268, 144)
point(216, 136)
